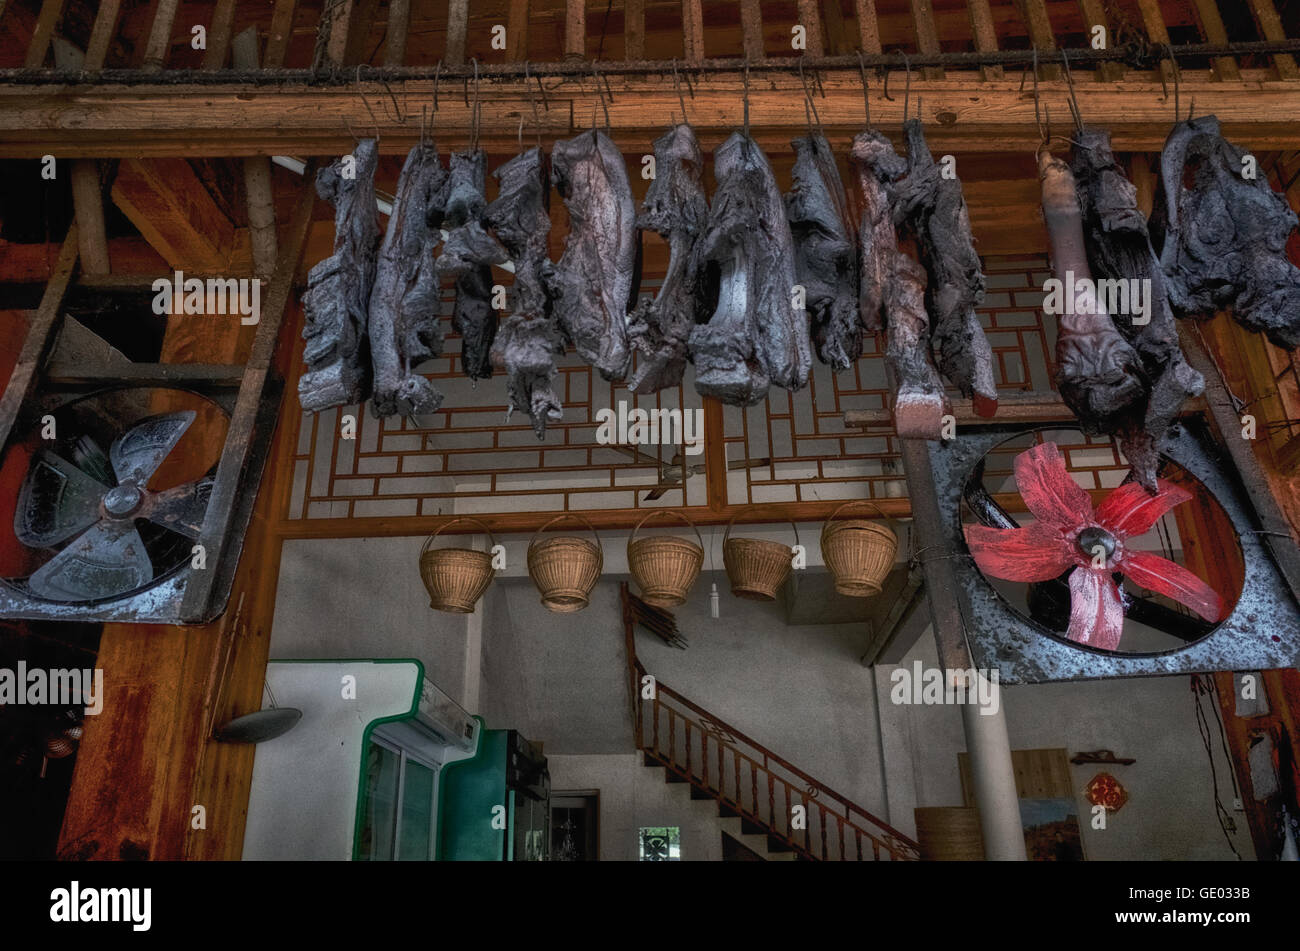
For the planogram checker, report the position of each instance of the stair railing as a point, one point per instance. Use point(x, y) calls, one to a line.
point(746, 777)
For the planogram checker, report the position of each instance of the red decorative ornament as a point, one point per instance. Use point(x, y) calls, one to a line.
point(1070, 534)
point(1106, 791)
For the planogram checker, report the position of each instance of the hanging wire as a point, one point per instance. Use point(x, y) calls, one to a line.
point(476, 113)
point(808, 104)
point(680, 98)
point(437, 80)
point(907, 85)
point(746, 97)
point(532, 101)
point(1074, 102)
point(866, 94)
point(601, 94)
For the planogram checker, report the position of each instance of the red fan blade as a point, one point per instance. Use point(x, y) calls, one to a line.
point(1172, 580)
point(1096, 612)
point(1032, 553)
point(1047, 488)
point(1131, 510)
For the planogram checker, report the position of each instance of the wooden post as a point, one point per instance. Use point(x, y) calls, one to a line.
point(575, 29)
point(1094, 14)
point(634, 29)
point(715, 454)
point(277, 38)
point(751, 26)
point(159, 43)
point(868, 26)
point(693, 31)
point(257, 177)
point(1040, 36)
point(517, 31)
point(223, 21)
point(811, 19)
point(1270, 27)
point(457, 30)
point(399, 21)
point(1154, 22)
point(101, 34)
point(927, 35)
point(1225, 67)
point(986, 35)
point(46, 21)
point(332, 34)
point(88, 200)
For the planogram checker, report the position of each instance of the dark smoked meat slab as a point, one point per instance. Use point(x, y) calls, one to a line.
point(405, 328)
point(1099, 373)
point(893, 283)
point(1224, 238)
point(466, 257)
point(594, 283)
point(1119, 248)
point(826, 252)
point(337, 299)
point(755, 336)
point(931, 208)
point(675, 206)
point(527, 341)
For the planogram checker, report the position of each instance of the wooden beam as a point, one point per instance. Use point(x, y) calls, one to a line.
point(693, 31)
point(1012, 408)
point(399, 21)
point(159, 43)
point(332, 34)
point(634, 29)
point(101, 34)
point(715, 454)
point(358, 48)
point(88, 199)
point(457, 30)
point(175, 213)
point(517, 31)
point(257, 177)
point(34, 263)
point(301, 119)
point(1153, 20)
point(46, 21)
point(281, 31)
point(575, 29)
point(985, 34)
point(868, 26)
point(1094, 14)
point(810, 18)
point(219, 32)
point(927, 35)
point(1041, 36)
point(751, 25)
point(838, 41)
point(1225, 67)
point(1270, 27)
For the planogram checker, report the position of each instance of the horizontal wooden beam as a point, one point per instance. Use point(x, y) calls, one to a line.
point(1012, 408)
point(962, 113)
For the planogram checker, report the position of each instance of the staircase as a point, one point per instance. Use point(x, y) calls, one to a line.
point(771, 808)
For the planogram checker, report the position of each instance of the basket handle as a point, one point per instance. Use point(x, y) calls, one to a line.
point(680, 514)
point(746, 508)
point(851, 502)
point(564, 515)
point(462, 518)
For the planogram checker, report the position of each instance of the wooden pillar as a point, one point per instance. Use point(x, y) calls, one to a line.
point(457, 30)
point(257, 178)
point(868, 26)
point(159, 43)
point(927, 35)
point(575, 29)
point(985, 34)
point(811, 19)
point(693, 31)
point(751, 26)
point(399, 21)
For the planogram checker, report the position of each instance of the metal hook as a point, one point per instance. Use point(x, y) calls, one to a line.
point(885, 90)
point(1038, 119)
point(532, 101)
point(1074, 102)
point(366, 102)
point(866, 95)
point(601, 93)
point(907, 85)
point(746, 97)
point(807, 102)
point(1178, 82)
point(680, 98)
point(437, 79)
point(477, 113)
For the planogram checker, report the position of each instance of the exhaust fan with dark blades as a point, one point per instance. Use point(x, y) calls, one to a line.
point(121, 536)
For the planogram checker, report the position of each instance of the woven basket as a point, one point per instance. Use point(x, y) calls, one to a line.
point(564, 568)
point(455, 577)
point(665, 567)
point(756, 567)
point(859, 553)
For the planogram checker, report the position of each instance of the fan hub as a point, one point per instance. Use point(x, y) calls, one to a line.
point(123, 501)
point(1094, 537)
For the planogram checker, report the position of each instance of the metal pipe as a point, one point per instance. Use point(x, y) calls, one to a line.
point(1136, 56)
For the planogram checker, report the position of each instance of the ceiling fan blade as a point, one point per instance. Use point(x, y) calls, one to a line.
point(138, 453)
point(108, 559)
point(57, 500)
point(182, 509)
point(749, 463)
point(656, 493)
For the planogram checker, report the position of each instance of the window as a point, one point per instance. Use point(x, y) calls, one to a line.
point(661, 844)
point(397, 822)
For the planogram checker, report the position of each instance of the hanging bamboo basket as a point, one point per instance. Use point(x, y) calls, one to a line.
point(859, 553)
point(564, 568)
point(665, 567)
point(456, 577)
point(756, 567)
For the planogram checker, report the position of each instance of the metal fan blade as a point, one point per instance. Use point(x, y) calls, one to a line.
point(57, 500)
point(181, 509)
point(137, 454)
point(108, 559)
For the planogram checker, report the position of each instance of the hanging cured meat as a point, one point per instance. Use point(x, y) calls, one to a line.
point(754, 337)
point(1223, 239)
point(405, 328)
point(1099, 374)
point(893, 282)
point(337, 299)
point(466, 257)
point(595, 281)
point(826, 252)
point(527, 341)
point(675, 207)
point(1119, 250)
point(931, 208)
